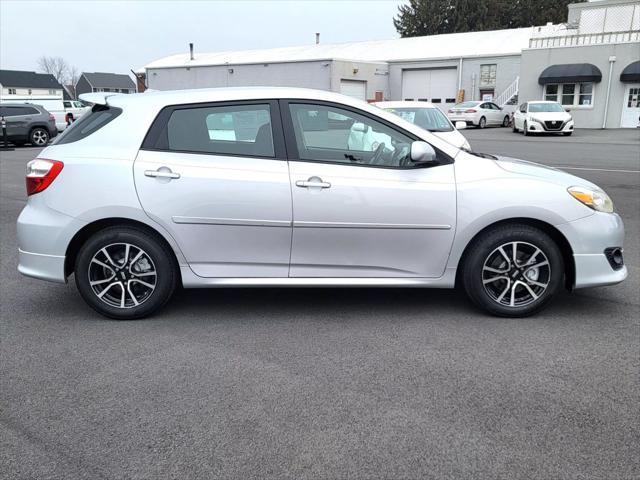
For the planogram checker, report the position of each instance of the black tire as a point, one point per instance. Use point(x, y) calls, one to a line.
point(505, 121)
point(515, 130)
point(39, 137)
point(156, 257)
point(477, 276)
point(525, 129)
point(482, 123)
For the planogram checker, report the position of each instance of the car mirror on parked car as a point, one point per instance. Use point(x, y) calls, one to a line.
point(461, 125)
point(422, 152)
point(567, 110)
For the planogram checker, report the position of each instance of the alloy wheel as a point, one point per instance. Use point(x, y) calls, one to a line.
point(40, 137)
point(122, 275)
point(516, 274)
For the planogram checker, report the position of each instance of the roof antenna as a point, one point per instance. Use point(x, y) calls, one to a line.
point(191, 51)
point(317, 38)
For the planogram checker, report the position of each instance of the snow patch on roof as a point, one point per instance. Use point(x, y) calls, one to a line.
point(453, 45)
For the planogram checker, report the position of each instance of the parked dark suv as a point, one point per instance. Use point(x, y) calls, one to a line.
point(28, 123)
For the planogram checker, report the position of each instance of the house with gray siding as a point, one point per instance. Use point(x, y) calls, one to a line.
point(104, 82)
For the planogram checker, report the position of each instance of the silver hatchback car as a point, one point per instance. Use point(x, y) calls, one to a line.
point(280, 187)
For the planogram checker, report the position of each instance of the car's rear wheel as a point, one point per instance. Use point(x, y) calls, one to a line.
point(513, 270)
point(39, 137)
point(125, 273)
point(482, 123)
point(505, 121)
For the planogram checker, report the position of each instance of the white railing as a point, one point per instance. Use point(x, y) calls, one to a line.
point(509, 92)
point(585, 39)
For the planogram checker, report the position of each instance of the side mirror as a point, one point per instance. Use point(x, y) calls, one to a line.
point(461, 125)
point(422, 152)
point(567, 110)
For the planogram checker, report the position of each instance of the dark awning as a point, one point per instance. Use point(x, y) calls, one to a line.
point(631, 73)
point(571, 72)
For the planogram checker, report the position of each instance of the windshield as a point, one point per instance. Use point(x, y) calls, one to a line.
point(545, 107)
point(467, 104)
point(430, 119)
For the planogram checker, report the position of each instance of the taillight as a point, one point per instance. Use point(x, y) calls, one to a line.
point(41, 173)
point(471, 110)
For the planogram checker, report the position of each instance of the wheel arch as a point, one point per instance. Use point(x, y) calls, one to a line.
point(557, 236)
point(90, 229)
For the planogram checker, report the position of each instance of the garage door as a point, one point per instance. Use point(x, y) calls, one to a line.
point(354, 88)
point(436, 85)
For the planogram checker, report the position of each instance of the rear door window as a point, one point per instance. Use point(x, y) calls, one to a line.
point(243, 130)
point(19, 111)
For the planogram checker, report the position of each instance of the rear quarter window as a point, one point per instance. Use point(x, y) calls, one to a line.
point(88, 124)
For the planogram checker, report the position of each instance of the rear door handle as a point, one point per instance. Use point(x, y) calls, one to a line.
point(313, 182)
point(162, 172)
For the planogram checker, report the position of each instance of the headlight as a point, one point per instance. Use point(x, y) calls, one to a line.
point(534, 119)
point(596, 199)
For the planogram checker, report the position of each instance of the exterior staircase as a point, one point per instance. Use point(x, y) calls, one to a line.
point(509, 97)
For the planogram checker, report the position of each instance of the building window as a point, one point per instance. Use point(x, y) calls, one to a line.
point(12, 91)
point(488, 75)
point(570, 94)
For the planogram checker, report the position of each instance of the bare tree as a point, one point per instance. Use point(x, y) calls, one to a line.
point(56, 66)
point(67, 75)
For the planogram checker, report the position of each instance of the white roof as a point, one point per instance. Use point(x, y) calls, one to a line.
point(453, 45)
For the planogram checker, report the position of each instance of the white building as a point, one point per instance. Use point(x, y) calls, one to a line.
point(503, 65)
point(438, 68)
point(24, 83)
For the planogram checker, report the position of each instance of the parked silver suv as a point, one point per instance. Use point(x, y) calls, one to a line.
point(281, 187)
point(28, 123)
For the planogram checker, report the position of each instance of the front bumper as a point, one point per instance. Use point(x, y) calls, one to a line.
point(589, 237)
point(541, 127)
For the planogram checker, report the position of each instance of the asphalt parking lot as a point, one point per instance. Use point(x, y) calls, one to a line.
point(328, 383)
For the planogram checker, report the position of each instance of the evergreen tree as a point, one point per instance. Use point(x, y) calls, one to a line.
point(430, 17)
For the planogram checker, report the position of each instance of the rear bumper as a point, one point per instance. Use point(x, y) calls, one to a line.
point(589, 238)
point(42, 266)
point(43, 237)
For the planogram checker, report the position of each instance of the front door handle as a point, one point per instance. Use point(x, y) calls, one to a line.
point(162, 172)
point(313, 182)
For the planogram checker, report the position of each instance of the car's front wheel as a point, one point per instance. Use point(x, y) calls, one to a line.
point(125, 273)
point(525, 129)
point(39, 137)
point(513, 270)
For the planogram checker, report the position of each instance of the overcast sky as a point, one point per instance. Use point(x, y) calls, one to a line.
point(119, 35)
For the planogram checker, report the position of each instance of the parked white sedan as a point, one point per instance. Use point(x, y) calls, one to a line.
point(426, 115)
point(480, 114)
point(542, 117)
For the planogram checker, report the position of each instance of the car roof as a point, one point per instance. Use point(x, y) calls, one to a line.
point(20, 104)
point(541, 101)
point(405, 104)
point(161, 99)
